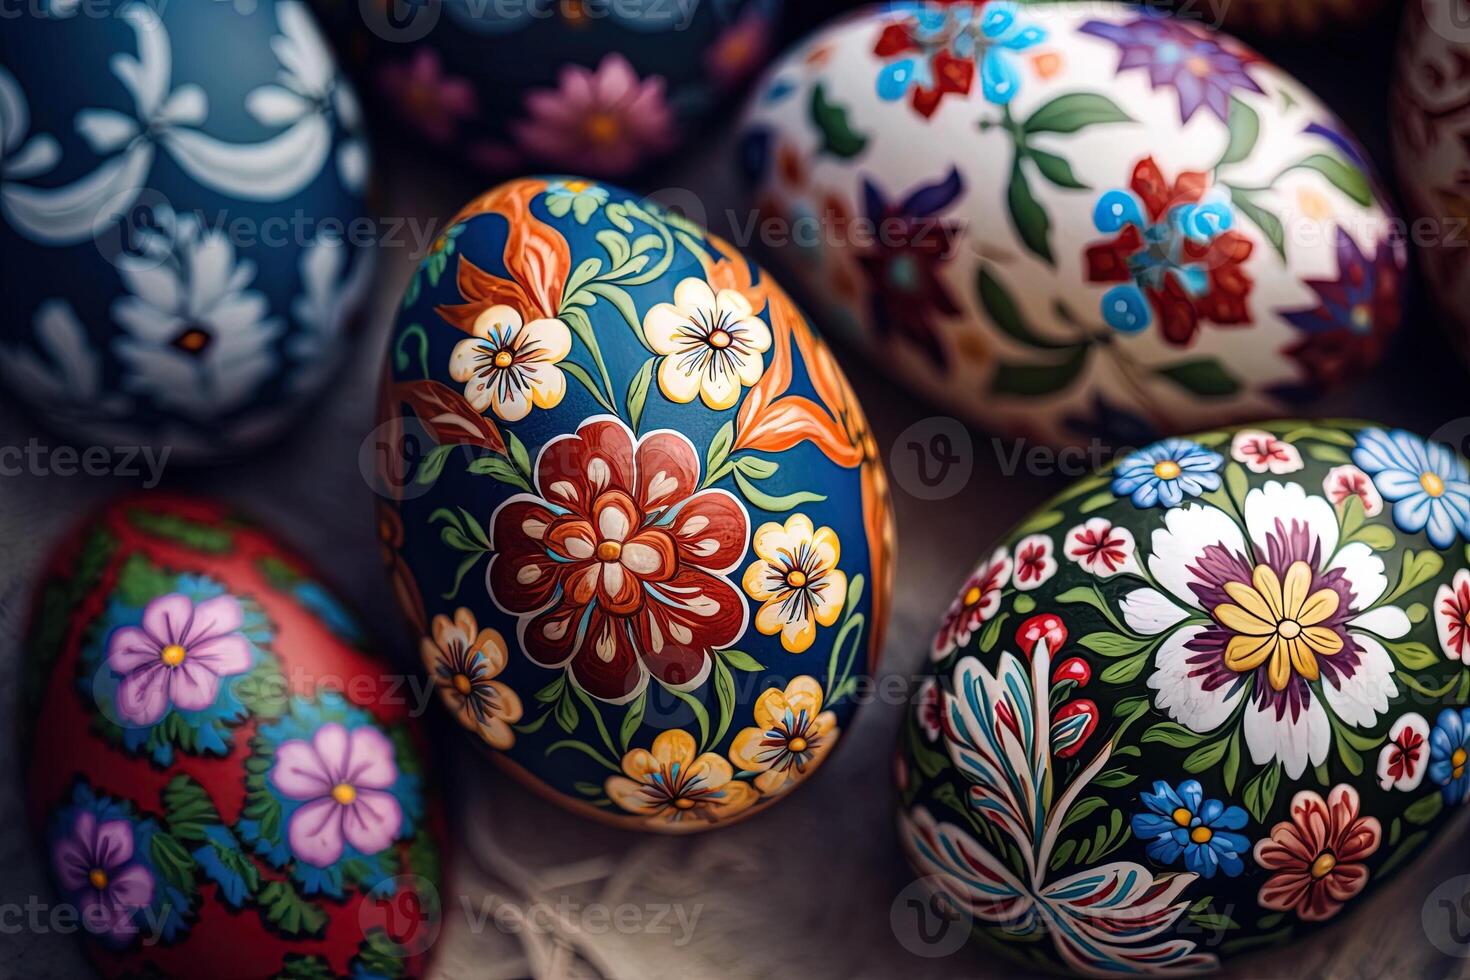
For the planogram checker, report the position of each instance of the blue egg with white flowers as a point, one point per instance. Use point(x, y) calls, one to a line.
point(185, 229)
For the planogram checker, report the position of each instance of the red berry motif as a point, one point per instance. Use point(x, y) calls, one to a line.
point(1072, 669)
point(1043, 626)
point(1069, 735)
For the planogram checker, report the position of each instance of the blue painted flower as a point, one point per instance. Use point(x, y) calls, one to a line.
point(1003, 34)
point(580, 197)
point(941, 46)
point(1449, 749)
point(1425, 481)
point(1167, 472)
point(1182, 822)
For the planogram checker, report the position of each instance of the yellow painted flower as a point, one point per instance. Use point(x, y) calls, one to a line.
point(509, 366)
point(463, 661)
point(712, 344)
point(1278, 621)
point(791, 737)
point(677, 789)
point(796, 580)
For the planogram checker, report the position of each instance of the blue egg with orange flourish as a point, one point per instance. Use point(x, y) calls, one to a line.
point(635, 513)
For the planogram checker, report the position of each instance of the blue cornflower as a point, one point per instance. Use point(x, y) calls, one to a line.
point(1182, 822)
point(1449, 750)
point(1167, 472)
point(1426, 482)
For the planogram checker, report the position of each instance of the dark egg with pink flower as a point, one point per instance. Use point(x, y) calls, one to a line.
point(224, 777)
point(1122, 224)
point(635, 515)
point(1202, 703)
point(596, 87)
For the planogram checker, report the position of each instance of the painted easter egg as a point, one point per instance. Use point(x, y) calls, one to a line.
point(601, 87)
point(184, 235)
point(636, 514)
point(1431, 120)
point(223, 777)
point(1120, 223)
point(1203, 702)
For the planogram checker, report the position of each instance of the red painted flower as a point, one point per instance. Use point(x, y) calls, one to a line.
point(616, 566)
point(1174, 249)
point(976, 604)
point(1452, 617)
point(1318, 855)
point(927, 58)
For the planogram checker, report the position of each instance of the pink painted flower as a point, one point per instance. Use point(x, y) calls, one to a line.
point(977, 604)
point(1347, 481)
point(1261, 452)
point(603, 122)
point(345, 778)
point(740, 48)
point(1452, 617)
point(1101, 547)
point(95, 866)
point(1035, 563)
point(177, 657)
point(426, 98)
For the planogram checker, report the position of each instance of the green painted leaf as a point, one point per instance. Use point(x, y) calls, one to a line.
point(499, 468)
point(1340, 174)
point(1260, 792)
point(188, 809)
point(1412, 655)
point(719, 448)
point(1055, 169)
point(775, 505)
point(757, 468)
point(1327, 454)
point(638, 393)
point(838, 136)
point(1124, 671)
point(1418, 568)
point(1206, 756)
point(1112, 644)
point(1172, 734)
point(1031, 380)
point(283, 908)
point(1044, 521)
point(740, 660)
point(1232, 761)
point(1268, 222)
point(1424, 810)
point(724, 697)
point(1001, 307)
point(1204, 376)
point(1071, 113)
point(1245, 130)
point(632, 719)
point(1029, 217)
point(566, 714)
point(1115, 778)
point(190, 534)
point(990, 636)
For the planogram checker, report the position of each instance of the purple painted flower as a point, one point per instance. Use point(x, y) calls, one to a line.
point(95, 866)
point(345, 777)
point(1348, 331)
point(176, 658)
point(1203, 67)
